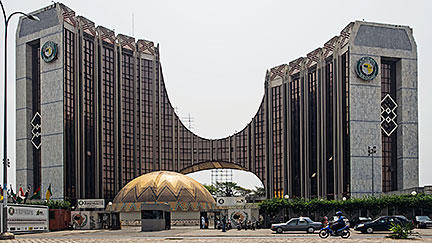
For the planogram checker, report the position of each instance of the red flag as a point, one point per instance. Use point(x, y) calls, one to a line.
point(21, 193)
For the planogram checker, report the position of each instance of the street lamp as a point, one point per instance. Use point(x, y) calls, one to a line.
point(310, 184)
point(371, 152)
point(4, 233)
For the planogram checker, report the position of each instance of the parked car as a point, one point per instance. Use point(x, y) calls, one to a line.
point(297, 224)
point(422, 221)
point(359, 220)
point(382, 223)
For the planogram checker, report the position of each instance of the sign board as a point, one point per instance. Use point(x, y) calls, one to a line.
point(230, 201)
point(239, 215)
point(91, 203)
point(85, 220)
point(27, 218)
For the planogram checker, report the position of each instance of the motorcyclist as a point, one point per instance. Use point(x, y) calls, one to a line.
point(339, 223)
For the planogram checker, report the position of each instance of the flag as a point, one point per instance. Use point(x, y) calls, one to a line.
point(48, 194)
point(21, 195)
point(36, 194)
point(26, 194)
point(12, 195)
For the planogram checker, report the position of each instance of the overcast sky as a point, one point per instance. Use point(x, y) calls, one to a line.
point(215, 53)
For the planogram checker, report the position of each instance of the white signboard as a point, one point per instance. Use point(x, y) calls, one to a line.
point(91, 203)
point(27, 218)
point(230, 201)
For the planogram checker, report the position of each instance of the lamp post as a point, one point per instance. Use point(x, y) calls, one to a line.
point(371, 152)
point(4, 234)
point(310, 184)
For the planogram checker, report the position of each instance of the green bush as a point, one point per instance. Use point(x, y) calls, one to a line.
point(399, 231)
point(373, 204)
point(52, 204)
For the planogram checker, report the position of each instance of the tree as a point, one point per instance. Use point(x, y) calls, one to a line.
point(212, 189)
point(227, 189)
point(259, 191)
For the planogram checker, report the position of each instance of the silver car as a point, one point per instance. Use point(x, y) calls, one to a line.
point(297, 224)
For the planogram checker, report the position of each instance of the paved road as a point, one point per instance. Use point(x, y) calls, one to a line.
point(192, 234)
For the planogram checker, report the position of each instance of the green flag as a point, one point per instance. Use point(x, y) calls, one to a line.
point(36, 194)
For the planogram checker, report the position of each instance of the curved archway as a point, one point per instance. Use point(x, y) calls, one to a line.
point(211, 165)
point(241, 176)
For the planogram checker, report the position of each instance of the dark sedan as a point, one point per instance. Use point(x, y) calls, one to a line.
point(422, 221)
point(297, 224)
point(382, 223)
point(359, 220)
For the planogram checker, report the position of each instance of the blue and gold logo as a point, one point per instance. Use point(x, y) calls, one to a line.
point(367, 68)
point(49, 51)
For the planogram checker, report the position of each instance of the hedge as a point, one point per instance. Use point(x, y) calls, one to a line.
point(371, 203)
point(52, 204)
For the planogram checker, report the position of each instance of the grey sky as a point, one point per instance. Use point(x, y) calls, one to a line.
point(215, 53)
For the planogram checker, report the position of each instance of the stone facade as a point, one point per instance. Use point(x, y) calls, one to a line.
point(292, 144)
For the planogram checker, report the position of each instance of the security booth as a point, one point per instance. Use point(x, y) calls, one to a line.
point(155, 217)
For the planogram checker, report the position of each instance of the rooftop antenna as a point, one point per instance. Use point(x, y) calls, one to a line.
point(133, 28)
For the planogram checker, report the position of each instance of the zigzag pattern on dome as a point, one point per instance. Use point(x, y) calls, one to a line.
point(181, 192)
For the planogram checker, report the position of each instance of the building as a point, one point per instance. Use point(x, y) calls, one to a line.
point(93, 113)
point(185, 198)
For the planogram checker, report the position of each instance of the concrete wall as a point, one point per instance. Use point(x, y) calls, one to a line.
point(378, 41)
point(50, 28)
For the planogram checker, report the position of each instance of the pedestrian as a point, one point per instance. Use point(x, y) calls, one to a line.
point(324, 221)
point(223, 224)
point(202, 222)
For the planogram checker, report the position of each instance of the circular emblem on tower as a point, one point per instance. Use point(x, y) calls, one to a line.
point(49, 51)
point(367, 68)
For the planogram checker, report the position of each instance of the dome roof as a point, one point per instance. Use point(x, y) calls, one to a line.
point(181, 192)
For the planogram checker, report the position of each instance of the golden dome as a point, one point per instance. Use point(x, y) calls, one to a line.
point(181, 192)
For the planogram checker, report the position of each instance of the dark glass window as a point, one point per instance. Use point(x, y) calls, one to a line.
point(345, 124)
point(277, 141)
point(312, 98)
point(295, 136)
point(389, 143)
point(260, 145)
point(166, 130)
point(108, 122)
point(329, 129)
point(89, 122)
point(36, 106)
point(69, 113)
point(127, 114)
point(147, 114)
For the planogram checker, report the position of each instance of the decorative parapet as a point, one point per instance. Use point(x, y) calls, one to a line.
point(146, 47)
point(87, 25)
point(106, 35)
point(126, 42)
point(68, 14)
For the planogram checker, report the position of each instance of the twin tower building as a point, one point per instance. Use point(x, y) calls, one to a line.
point(93, 113)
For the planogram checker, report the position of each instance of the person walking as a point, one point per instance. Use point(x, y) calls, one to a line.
point(223, 224)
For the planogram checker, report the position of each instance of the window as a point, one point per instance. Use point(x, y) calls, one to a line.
point(389, 143)
point(69, 113)
point(108, 122)
point(293, 222)
point(302, 222)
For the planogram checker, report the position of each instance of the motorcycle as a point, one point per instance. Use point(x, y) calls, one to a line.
point(344, 232)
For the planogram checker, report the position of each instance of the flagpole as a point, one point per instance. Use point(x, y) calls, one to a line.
point(5, 235)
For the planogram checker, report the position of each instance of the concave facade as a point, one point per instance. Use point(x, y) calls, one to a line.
point(97, 115)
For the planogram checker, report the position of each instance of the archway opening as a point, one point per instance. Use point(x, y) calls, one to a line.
point(241, 181)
